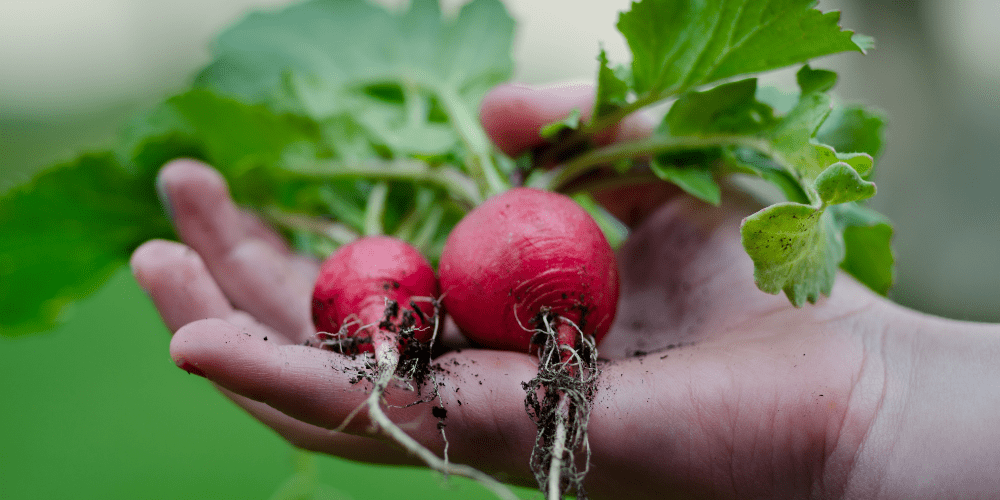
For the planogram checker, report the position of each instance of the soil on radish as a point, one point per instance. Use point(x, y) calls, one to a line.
point(562, 392)
point(415, 366)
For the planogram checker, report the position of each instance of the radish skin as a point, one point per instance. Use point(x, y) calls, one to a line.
point(361, 278)
point(519, 253)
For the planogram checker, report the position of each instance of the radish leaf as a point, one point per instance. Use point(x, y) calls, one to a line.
point(867, 238)
point(730, 108)
point(232, 136)
point(841, 183)
point(412, 79)
point(304, 110)
point(680, 45)
point(66, 232)
point(696, 181)
point(796, 248)
point(612, 87)
point(853, 129)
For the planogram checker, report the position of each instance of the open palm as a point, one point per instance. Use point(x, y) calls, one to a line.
point(711, 389)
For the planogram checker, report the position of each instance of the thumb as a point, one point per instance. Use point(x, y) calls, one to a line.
point(480, 391)
point(513, 114)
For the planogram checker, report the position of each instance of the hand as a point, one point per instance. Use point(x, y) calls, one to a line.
point(738, 395)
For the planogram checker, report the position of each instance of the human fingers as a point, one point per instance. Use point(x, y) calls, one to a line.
point(485, 425)
point(250, 263)
point(512, 114)
point(321, 440)
point(182, 290)
point(175, 278)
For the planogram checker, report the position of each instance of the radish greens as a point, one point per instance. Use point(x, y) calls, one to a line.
point(308, 110)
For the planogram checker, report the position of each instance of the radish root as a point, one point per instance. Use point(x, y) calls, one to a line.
point(388, 365)
point(559, 400)
point(387, 362)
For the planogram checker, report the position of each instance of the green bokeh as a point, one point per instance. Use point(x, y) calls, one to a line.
point(97, 409)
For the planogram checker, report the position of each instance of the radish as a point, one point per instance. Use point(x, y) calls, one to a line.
point(369, 283)
point(378, 294)
point(530, 270)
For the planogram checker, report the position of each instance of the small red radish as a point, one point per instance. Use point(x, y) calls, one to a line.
point(531, 269)
point(372, 284)
point(378, 294)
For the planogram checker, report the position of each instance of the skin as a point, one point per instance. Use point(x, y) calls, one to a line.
point(854, 397)
point(520, 252)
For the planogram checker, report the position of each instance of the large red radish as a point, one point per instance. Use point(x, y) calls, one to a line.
point(530, 270)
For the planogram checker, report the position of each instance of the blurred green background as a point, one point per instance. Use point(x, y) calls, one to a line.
point(96, 409)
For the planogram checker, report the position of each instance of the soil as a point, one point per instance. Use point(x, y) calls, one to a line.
point(562, 392)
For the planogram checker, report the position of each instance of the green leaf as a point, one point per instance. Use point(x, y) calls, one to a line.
point(864, 42)
point(747, 161)
point(344, 204)
point(232, 136)
point(698, 181)
point(867, 238)
point(840, 183)
point(755, 140)
point(815, 80)
point(612, 87)
point(66, 232)
point(614, 230)
point(854, 128)
point(407, 139)
point(795, 248)
point(553, 130)
point(681, 44)
point(255, 148)
point(412, 78)
point(862, 163)
point(730, 108)
point(792, 138)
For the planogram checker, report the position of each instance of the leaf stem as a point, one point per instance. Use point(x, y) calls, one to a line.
point(457, 184)
point(609, 120)
point(598, 125)
point(416, 104)
point(472, 134)
point(423, 202)
point(338, 233)
point(423, 239)
point(559, 177)
point(375, 209)
point(387, 359)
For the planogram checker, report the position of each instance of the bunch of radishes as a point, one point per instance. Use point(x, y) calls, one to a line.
point(527, 270)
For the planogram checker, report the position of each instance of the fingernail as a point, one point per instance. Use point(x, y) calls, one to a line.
point(194, 370)
point(161, 193)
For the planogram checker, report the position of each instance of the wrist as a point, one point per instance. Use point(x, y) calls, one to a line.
point(936, 428)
